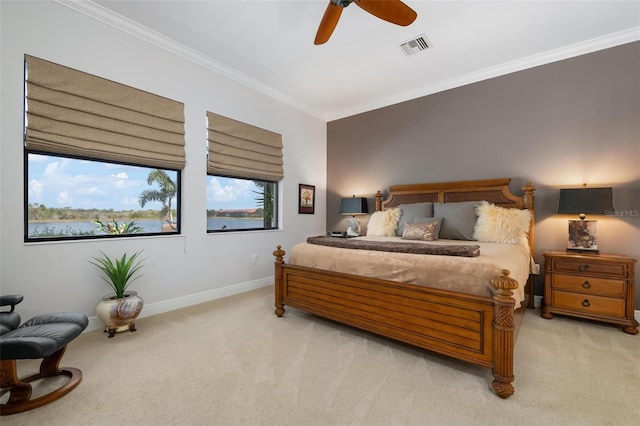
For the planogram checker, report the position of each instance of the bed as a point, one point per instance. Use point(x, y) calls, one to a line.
point(477, 326)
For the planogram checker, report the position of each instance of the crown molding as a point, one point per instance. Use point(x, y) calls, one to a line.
point(133, 28)
point(106, 16)
point(555, 55)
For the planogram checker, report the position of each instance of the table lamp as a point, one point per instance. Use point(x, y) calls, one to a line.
point(583, 235)
point(353, 206)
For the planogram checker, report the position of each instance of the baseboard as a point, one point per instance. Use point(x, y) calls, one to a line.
point(218, 293)
point(190, 300)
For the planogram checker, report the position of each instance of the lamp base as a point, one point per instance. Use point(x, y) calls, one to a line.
point(583, 236)
point(353, 227)
point(583, 251)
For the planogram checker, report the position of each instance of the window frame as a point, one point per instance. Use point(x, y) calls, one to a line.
point(28, 239)
point(276, 212)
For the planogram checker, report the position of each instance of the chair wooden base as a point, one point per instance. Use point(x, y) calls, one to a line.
point(20, 390)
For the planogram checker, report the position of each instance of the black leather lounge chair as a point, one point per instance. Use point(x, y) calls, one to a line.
point(44, 336)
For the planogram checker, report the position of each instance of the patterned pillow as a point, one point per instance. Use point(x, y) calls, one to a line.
point(383, 223)
point(436, 220)
point(419, 231)
point(408, 212)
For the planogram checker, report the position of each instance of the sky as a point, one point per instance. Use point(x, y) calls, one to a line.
point(63, 182)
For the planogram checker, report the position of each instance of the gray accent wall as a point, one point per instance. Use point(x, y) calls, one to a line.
point(559, 125)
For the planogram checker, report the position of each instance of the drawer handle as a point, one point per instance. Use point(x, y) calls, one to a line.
point(586, 303)
point(586, 284)
point(583, 268)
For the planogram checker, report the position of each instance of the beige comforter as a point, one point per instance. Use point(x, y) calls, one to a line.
point(470, 275)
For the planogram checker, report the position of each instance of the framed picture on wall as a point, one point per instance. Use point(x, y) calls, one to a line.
point(306, 199)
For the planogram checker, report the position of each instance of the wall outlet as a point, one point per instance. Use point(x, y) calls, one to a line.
point(254, 258)
point(536, 269)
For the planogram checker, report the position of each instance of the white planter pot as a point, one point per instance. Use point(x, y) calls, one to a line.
point(119, 314)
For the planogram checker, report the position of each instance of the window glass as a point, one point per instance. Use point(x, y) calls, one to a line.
point(235, 204)
point(72, 198)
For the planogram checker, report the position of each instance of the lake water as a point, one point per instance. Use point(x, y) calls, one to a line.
point(214, 224)
point(148, 226)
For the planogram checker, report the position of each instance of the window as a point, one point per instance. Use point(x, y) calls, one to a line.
point(244, 166)
point(235, 204)
point(72, 198)
point(101, 159)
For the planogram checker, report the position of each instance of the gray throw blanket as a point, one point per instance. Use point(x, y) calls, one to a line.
point(398, 247)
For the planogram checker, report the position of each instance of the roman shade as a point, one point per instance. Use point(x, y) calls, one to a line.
point(241, 150)
point(70, 112)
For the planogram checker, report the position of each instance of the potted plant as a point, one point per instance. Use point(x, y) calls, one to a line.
point(119, 310)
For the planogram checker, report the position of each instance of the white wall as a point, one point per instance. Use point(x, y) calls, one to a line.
point(185, 269)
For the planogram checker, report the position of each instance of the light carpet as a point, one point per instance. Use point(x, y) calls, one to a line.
point(233, 362)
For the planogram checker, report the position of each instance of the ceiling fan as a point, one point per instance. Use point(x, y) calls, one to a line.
point(394, 11)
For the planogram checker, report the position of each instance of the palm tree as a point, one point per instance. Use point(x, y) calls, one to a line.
point(266, 200)
point(165, 194)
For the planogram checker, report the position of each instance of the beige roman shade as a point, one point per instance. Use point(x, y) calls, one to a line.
point(70, 112)
point(240, 150)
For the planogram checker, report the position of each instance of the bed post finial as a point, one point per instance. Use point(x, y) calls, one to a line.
point(378, 201)
point(505, 282)
point(279, 254)
point(528, 197)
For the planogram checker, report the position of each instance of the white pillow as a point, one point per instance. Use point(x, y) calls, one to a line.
point(383, 223)
point(497, 224)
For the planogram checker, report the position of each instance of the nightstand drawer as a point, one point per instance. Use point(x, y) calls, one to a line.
point(589, 304)
point(589, 285)
point(587, 267)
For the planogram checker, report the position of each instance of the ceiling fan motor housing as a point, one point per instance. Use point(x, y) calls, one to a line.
point(342, 3)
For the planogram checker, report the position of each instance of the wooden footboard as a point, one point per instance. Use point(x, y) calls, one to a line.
point(476, 329)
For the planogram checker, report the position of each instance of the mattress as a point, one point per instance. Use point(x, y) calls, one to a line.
point(470, 275)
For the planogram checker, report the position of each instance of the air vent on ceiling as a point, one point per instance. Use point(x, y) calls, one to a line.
point(415, 45)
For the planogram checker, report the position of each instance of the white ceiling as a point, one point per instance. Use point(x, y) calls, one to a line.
point(268, 45)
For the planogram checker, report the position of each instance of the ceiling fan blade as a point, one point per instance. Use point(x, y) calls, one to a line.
point(328, 23)
point(394, 11)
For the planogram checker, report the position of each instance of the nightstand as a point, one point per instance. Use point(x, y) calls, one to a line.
point(597, 287)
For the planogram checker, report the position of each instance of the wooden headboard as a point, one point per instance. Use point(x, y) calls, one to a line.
point(495, 191)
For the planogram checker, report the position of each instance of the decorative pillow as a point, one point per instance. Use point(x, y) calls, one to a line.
point(458, 219)
point(436, 220)
point(383, 223)
point(419, 231)
point(408, 212)
point(501, 225)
